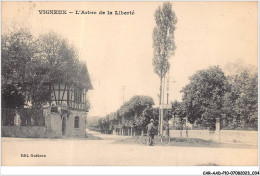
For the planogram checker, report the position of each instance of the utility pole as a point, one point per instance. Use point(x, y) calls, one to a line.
point(168, 85)
point(167, 89)
point(162, 106)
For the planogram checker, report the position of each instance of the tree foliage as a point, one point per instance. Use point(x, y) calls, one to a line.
point(203, 96)
point(240, 101)
point(12, 96)
point(135, 105)
point(210, 95)
point(132, 112)
point(27, 60)
point(178, 109)
point(136, 112)
point(163, 38)
point(17, 52)
point(58, 57)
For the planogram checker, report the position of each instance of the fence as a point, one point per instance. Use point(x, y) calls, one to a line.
point(24, 131)
point(221, 136)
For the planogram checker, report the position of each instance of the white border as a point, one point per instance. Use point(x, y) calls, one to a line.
point(128, 170)
point(116, 170)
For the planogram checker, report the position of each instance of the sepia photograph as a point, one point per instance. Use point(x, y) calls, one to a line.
point(129, 83)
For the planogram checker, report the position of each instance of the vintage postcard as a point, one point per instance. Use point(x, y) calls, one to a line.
point(129, 84)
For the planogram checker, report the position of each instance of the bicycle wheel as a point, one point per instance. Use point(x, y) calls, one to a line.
point(166, 139)
point(144, 139)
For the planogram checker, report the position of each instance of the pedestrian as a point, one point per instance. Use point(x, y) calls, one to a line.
point(167, 129)
point(151, 131)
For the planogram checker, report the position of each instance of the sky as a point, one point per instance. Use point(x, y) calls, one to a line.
point(118, 48)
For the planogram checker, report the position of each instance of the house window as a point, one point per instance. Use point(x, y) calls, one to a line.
point(76, 122)
point(78, 95)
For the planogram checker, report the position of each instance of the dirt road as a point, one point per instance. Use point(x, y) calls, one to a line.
point(102, 150)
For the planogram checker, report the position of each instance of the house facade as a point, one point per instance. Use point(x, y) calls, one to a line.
point(64, 115)
point(67, 113)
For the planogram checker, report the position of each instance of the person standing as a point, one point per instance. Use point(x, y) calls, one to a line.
point(167, 129)
point(151, 131)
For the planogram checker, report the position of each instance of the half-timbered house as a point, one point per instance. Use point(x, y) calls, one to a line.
point(66, 113)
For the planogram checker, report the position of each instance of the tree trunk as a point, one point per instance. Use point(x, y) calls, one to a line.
point(160, 102)
point(160, 89)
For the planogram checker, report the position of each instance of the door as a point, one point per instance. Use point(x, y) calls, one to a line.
point(64, 120)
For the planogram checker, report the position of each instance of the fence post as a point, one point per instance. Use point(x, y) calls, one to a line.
point(217, 132)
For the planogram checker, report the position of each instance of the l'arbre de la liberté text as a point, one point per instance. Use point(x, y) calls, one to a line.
point(85, 12)
point(105, 13)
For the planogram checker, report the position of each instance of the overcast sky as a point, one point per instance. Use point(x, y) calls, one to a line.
point(118, 49)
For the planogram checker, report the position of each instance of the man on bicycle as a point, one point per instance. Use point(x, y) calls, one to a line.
point(151, 130)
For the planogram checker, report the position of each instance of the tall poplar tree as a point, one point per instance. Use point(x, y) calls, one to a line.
point(163, 40)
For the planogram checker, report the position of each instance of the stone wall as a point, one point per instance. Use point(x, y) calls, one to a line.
point(54, 122)
point(218, 136)
point(201, 134)
point(56, 125)
point(239, 136)
point(24, 131)
point(76, 132)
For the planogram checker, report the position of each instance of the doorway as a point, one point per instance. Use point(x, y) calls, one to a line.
point(64, 121)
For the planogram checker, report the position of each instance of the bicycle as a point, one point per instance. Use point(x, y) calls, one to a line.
point(144, 139)
point(164, 139)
